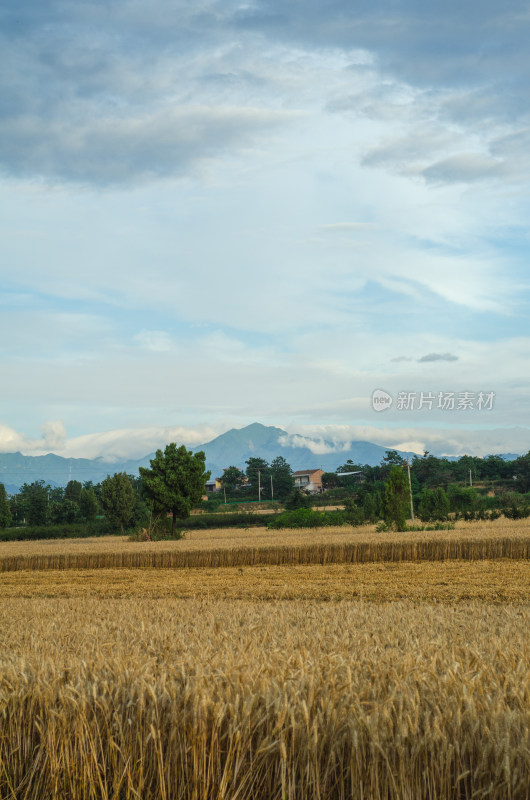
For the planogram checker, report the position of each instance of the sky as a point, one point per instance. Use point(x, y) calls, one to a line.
point(215, 213)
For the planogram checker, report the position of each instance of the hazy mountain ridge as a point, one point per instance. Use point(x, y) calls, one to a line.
point(234, 447)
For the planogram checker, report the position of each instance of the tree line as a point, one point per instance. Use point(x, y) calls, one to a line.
point(175, 482)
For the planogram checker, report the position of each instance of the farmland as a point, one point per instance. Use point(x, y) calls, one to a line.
point(383, 679)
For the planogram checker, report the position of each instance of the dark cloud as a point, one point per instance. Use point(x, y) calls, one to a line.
point(124, 150)
point(437, 357)
point(81, 77)
point(464, 168)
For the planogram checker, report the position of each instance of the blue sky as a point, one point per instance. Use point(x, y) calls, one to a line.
point(214, 213)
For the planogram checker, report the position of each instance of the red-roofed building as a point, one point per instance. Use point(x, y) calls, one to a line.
point(310, 480)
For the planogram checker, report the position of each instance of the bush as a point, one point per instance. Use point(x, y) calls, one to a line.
point(75, 531)
point(307, 518)
point(297, 499)
point(231, 519)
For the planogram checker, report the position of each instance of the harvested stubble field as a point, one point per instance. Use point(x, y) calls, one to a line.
point(501, 581)
point(265, 700)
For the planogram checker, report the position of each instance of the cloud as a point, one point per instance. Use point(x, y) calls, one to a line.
point(345, 227)
point(53, 439)
point(437, 357)
point(54, 435)
point(119, 444)
point(157, 341)
point(318, 447)
point(455, 441)
point(464, 168)
point(398, 359)
point(129, 149)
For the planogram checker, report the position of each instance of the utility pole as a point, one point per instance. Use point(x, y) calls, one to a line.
point(410, 492)
point(259, 486)
point(272, 490)
point(470, 479)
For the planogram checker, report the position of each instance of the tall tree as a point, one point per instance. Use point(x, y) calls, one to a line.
point(176, 481)
point(73, 491)
point(88, 503)
point(117, 499)
point(34, 502)
point(232, 478)
point(258, 475)
point(5, 512)
point(282, 478)
point(396, 498)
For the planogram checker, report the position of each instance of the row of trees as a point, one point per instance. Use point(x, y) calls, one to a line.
point(263, 481)
point(173, 484)
point(431, 472)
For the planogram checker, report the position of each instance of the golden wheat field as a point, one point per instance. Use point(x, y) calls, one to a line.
point(234, 538)
point(266, 700)
point(215, 676)
point(243, 548)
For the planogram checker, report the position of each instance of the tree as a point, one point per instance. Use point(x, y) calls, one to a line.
point(34, 502)
point(369, 509)
point(73, 491)
point(88, 503)
point(330, 481)
point(258, 475)
point(434, 505)
point(5, 512)
point(176, 481)
point(233, 478)
point(282, 478)
point(297, 499)
point(396, 498)
point(117, 499)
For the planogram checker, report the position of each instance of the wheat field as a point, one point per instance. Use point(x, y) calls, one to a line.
point(243, 548)
point(203, 699)
point(369, 678)
point(235, 538)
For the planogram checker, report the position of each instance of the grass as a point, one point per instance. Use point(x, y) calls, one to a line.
point(196, 699)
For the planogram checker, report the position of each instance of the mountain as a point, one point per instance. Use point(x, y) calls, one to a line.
point(17, 469)
point(237, 445)
point(234, 447)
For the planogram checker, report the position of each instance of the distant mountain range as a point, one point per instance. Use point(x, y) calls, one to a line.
point(231, 448)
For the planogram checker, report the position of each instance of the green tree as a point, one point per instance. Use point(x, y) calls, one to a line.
point(176, 481)
point(73, 491)
point(434, 505)
point(258, 474)
point(396, 498)
point(330, 480)
point(232, 478)
point(282, 478)
point(5, 512)
point(369, 510)
point(118, 499)
point(34, 502)
point(88, 503)
point(297, 499)
point(462, 498)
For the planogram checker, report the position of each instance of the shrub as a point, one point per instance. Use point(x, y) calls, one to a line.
point(307, 518)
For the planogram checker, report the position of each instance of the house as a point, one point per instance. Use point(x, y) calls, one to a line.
point(213, 485)
point(310, 480)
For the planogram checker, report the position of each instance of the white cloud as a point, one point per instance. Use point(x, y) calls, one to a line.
point(159, 341)
point(318, 447)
